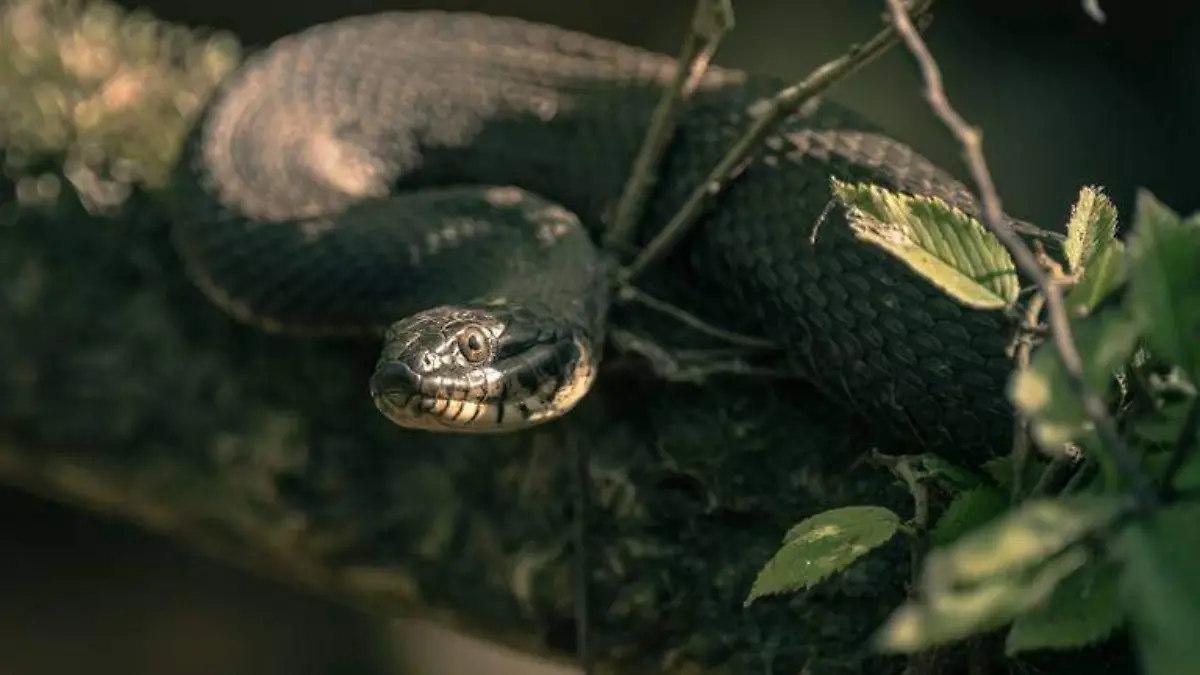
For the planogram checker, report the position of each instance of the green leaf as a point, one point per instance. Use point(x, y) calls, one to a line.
point(1105, 342)
point(1000, 469)
point(1106, 271)
point(917, 626)
point(1162, 426)
point(1188, 477)
point(968, 511)
point(822, 545)
point(1082, 610)
point(1161, 590)
point(995, 573)
point(945, 245)
point(1091, 229)
point(1032, 532)
point(943, 471)
point(1164, 275)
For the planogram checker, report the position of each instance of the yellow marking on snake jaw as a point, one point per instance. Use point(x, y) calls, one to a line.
point(462, 412)
point(577, 386)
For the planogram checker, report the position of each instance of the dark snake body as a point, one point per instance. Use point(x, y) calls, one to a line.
point(324, 189)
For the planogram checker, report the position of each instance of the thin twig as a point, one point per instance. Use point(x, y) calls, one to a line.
point(691, 366)
point(1020, 453)
point(778, 108)
point(1078, 479)
point(632, 294)
point(902, 467)
point(1052, 473)
point(1022, 444)
point(971, 141)
point(711, 20)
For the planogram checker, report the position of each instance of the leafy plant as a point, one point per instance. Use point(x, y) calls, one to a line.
point(1053, 564)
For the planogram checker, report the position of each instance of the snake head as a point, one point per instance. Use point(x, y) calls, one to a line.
point(480, 369)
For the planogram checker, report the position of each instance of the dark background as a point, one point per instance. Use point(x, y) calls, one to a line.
point(1063, 101)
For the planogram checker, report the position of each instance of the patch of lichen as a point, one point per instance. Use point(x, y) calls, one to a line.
point(121, 389)
point(105, 92)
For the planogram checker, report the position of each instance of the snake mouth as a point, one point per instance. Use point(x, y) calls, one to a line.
point(408, 400)
point(436, 414)
point(415, 401)
point(413, 410)
point(501, 396)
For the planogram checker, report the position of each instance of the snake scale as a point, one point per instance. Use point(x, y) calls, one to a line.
point(438, 178)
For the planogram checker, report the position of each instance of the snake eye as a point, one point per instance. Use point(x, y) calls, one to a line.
point(473, 344)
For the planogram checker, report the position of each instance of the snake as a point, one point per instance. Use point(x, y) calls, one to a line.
point(439, 181)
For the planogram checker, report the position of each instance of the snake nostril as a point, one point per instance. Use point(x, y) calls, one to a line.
point(392, 377)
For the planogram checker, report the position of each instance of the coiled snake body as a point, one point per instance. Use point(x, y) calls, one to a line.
point(426, 169)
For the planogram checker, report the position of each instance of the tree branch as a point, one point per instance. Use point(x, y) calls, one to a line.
point(971, 141)
point(778, 108)
point(711, 20)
